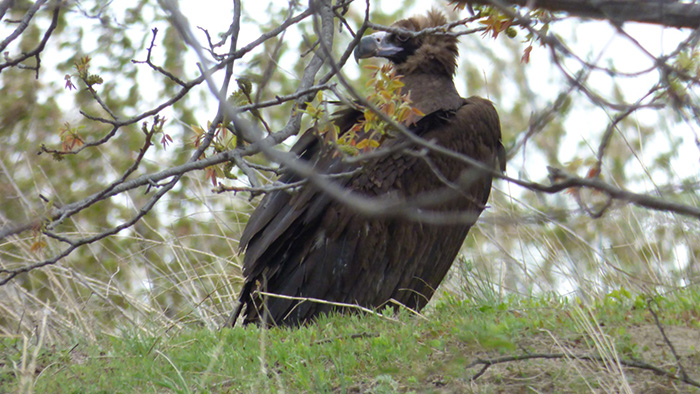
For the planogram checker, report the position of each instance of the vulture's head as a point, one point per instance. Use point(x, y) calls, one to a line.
point(429, 53)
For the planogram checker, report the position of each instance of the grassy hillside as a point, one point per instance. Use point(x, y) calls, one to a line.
point(521, 345)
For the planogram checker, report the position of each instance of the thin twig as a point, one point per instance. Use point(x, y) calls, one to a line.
point(486, 363)
point(684, 374)
point(326, 302)
point(361, 335)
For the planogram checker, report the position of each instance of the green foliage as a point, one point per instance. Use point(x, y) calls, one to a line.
point(83, 68)
point(384, 97)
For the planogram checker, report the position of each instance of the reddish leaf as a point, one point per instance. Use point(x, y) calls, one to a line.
point(593, 172)
point(166, 140)
point(526, 55)
point(211, 174)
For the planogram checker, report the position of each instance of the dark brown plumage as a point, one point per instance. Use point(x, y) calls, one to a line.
point(305, 244)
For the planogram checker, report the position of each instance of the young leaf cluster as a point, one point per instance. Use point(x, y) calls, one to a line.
point(371, 131)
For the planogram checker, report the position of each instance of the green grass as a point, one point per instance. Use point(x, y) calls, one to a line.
point(405, 353)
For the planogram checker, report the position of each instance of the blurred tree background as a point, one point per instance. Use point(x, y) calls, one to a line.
point(610, 102)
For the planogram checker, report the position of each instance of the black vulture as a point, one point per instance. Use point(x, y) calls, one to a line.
point(304, 244)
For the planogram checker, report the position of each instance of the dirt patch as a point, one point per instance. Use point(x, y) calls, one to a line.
point(647, 346)
point(568, 374)
point(652, 345)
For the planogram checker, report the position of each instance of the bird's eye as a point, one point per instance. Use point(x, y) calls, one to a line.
point(402, 37)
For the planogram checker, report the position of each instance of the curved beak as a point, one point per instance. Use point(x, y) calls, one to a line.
point(375, 45)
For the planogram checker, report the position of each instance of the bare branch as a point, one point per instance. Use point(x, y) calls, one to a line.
point(36, 51)
point(155, 67)
point(684, 374)
point(666, 13)
point(23, 24)
point(486, 363)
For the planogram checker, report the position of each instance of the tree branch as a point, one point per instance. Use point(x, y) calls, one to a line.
point(39, 48)
point(486, 363)
point(662, 12)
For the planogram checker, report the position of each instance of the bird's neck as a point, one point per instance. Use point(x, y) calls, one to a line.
point(430, 92)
